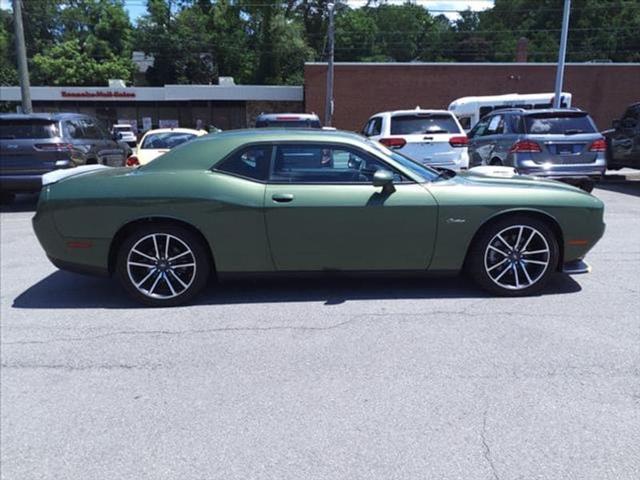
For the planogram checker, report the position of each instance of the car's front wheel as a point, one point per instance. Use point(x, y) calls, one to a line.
point(163, 265)
point(514, 256)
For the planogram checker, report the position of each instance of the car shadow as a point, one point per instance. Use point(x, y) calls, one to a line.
point(67, 290)
point(22, 203)
point(628, 187)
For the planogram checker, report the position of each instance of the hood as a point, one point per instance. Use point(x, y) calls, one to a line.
point(516, 181)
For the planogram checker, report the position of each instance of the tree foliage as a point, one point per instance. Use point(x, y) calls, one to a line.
point(86, 42)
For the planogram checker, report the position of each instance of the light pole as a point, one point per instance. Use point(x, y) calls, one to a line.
point(328, 103)
point(21, 53)
point(562, 54)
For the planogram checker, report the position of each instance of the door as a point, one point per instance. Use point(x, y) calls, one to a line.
point(323, 213)
point(477, 143)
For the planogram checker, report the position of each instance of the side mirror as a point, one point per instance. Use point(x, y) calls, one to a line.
point(383, 178)
point(615, 124)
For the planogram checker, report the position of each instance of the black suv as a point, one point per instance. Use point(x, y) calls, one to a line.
point(32, 145)
point(623, 141)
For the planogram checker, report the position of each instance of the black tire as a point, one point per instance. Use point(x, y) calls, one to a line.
point(481, 256)
point(175, 284)
point(496, 162)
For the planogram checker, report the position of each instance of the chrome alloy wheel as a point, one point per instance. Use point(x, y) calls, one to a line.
point(161, 266)
point(517, 257)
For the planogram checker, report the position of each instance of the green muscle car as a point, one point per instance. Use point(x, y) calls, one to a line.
point(302, 201)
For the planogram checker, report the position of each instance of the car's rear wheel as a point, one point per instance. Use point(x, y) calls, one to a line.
point(163, 265)
point(514, 256)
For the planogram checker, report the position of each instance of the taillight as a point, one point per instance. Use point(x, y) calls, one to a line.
point(599, 145)
point(132, 161)
point(461, 141)
point(393, 142)
point(53, 147)
point(525, 146)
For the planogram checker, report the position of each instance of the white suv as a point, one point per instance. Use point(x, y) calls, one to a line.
point(432, 137)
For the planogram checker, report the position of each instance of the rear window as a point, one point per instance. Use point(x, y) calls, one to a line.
point(558, 124)
point(123, 128)
point(167, 140)
point(417, 124)
point(19, 129)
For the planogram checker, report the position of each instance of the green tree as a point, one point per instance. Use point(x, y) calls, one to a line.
point(8, 73)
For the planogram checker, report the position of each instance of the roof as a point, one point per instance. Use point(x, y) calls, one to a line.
point(415, 111)
point(203, 152)
point(40, 116)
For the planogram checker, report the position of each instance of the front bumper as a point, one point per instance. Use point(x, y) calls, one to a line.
point(576, 267)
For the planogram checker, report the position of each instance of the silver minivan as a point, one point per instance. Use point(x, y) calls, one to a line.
point(562, 144)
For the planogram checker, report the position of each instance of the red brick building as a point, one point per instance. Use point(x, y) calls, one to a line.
point(362, 89)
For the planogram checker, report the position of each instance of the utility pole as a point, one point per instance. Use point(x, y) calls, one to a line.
point(328, 104)
point(562, 54)
point(21, 53)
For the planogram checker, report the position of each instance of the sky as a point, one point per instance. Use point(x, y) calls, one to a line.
point(137, 8)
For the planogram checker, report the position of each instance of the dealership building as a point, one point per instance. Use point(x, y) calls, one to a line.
point(195, 106)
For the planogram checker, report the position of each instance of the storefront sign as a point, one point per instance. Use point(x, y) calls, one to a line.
point(98, 94)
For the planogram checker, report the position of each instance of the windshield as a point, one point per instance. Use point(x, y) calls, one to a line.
point(425, 173)
point(18, 129)
point(166, 140)
point(558, 124)
point(419, 123)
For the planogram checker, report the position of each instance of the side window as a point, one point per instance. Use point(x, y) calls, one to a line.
point(515, 124)
point(480, 128)
point(496, 125)
point(376, 126)
point(305, 163)
point(73, 129)
point(465, 122)
point(91, 130)
point(367, 128)
point(251, 162)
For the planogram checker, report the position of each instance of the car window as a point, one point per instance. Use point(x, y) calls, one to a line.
point(480, 128)
point(251, 162)
point(165, 140)
point(18, 129)
point(558, 123)
point(515, 123)
point(496, 125)
point(376, 126)
point(74, 129)
point(91, 130)
point(419, 123)
point(465, 122)
point(325, 163)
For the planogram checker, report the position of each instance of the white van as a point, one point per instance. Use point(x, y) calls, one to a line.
point(470, 110)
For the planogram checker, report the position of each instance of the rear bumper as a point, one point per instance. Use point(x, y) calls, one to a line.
point(20, 183)
point(528, 166)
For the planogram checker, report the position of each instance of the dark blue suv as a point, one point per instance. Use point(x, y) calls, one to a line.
point(32, 145)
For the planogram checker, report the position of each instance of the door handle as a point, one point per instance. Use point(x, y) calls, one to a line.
point(282, 197)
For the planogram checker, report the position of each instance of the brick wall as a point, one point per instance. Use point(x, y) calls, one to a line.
point(361, 90)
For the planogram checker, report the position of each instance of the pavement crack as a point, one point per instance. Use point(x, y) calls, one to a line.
point(486, 449)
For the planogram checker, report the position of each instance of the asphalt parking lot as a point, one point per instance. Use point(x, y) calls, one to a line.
point(331, 379)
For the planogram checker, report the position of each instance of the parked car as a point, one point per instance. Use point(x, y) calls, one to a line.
point(561, 144)
point(623, 141)
point(288, 120)
point(431, 137)
point(314, 201)
point(31, 145)
point(125, 133)
point(156, 142)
